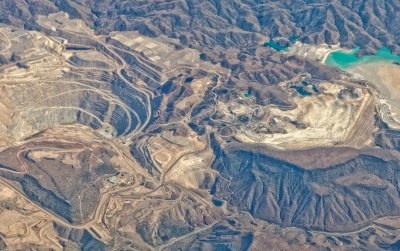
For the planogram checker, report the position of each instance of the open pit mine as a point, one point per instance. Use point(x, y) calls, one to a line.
point(199, 125)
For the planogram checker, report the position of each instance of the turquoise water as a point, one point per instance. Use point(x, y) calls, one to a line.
point(302, 89)
point(276, 46)
point(293, 39)
point(345, 60)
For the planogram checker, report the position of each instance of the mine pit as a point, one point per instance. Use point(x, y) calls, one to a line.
point(323, 115)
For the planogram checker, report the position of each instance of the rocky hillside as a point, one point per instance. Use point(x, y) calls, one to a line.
point(369, 24)
point(339, 198)
point(232, 32)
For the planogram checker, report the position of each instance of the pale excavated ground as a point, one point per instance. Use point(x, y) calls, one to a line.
point(314, 52)
point(164, 55)
point(22, 224)
point(329, 118)
point(191, 170)
point(385, 77)
point(198, 87)
point(167, 149)
point(40, 96)
point(43, 97)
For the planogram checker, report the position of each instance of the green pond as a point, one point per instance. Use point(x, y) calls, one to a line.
point(276, 46)
point(347, 59)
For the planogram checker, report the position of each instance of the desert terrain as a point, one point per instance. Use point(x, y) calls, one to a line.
point(180, 125)
point(384, 77)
